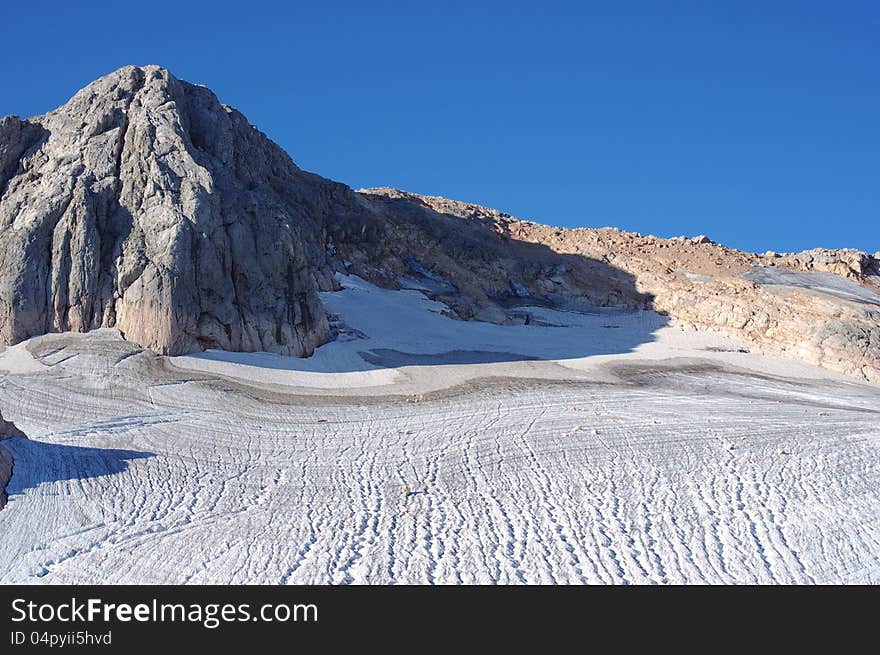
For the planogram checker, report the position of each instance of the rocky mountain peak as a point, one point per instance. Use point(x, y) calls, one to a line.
point(145, 204)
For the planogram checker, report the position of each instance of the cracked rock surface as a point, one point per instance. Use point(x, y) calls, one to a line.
point(146, 205)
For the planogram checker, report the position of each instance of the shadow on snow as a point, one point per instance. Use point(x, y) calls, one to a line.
point(38, 462)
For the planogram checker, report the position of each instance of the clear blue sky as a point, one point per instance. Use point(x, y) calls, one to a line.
point(756, 122)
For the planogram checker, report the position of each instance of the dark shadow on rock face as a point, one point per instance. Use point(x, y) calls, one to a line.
point(472, 262)
point(482, 260)
point(38, 462)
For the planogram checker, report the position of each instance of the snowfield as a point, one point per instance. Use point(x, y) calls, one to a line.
point(589, 446)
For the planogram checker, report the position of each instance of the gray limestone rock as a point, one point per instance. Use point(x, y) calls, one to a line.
point(146, 205)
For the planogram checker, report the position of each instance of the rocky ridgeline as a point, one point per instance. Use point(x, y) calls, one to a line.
point(146, 205)
point(698, 283)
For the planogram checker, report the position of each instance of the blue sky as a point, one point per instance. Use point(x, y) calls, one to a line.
point(756, 122)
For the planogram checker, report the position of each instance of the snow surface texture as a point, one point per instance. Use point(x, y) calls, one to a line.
point(618, 449)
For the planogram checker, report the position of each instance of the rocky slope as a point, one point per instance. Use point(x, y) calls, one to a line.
point(146, 205)
point(496, 259)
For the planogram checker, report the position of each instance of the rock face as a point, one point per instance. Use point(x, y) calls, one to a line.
point(8, 430)
point(146, 205)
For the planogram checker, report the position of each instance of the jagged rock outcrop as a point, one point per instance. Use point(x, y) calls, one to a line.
point(146, 205)
point(846, 262)
point(8, 429)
